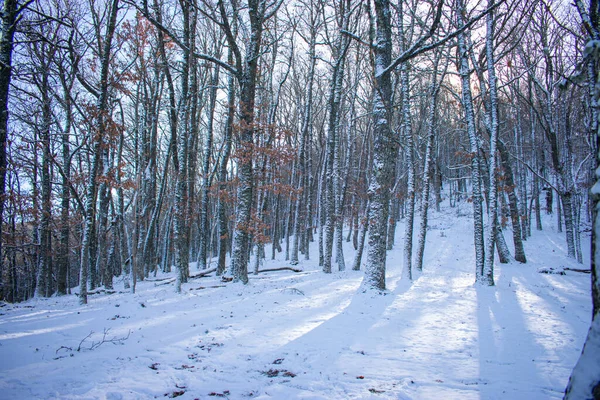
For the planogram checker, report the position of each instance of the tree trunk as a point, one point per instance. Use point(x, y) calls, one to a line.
point(487, 277)
point(204, 228)
point(8, 20)
point(303, 148)
point(410, 166)
point(384, 151)
point(333, 132)
point(467, 102)
point(102, 109)
point(361, 241)
point(63, 263)
point(239, 261)
point(584, 382)
point(512, 201)
point(44, 285)
point(428, 167)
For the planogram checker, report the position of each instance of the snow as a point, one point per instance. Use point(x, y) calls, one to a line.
point(311, 335)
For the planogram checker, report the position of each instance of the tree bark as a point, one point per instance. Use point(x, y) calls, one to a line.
point(384, 150)
point(509, 184)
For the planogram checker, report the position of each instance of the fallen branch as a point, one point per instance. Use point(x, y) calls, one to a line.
point(95, 345)
point(207, 287)
point(166, 281)
point(280, 269)
point(203, 273)
point(102, 290)
point(159, 279)
point(293, 291)
point(552, 271)
point(584, 271)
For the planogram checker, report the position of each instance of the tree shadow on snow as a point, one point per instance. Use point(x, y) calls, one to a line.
point(509, 364)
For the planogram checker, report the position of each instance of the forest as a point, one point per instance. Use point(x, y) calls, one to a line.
point(143, 138)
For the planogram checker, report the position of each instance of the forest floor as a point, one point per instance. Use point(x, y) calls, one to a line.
point(308, 335)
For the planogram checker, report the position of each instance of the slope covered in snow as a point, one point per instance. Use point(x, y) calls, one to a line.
point(308, 335)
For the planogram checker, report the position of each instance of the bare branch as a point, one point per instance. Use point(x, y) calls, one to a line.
point(420, 48)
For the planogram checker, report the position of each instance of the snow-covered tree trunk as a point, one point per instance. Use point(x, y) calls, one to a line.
point(43, 55)
point(247, 70)
point(391, 235)
point(361, 240)
point(384, 150)
point(321, 217)
point(342, 192)
point(148, 160)
point(102, 107)
point(487, 277)
point(428, 167)
point(276, 228)
point(62, 257)
point(522, 178)
point(207, 152)
point(303, 187)
point(102, 253)
point(333, 131)
point(410, 166)
point(309, 201)
point(181, 220)
point(224, 160)
point(467, 102)
point(572, 227)
point(121, 236)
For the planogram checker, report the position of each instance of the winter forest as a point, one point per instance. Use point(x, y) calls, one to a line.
point(288, 151)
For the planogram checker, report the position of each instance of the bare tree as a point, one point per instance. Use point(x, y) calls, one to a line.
point(97, 147)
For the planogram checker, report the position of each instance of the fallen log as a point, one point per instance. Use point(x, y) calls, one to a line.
point(584, 271)
point(198, 275)
point(207, 287)
point(280, 269)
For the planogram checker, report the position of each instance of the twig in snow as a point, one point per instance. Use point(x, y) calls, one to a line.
point(95, 345)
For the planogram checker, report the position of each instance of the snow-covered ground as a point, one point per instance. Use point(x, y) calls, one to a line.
point(309, 335)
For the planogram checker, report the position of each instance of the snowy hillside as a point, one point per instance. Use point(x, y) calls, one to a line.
point(308, 335)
